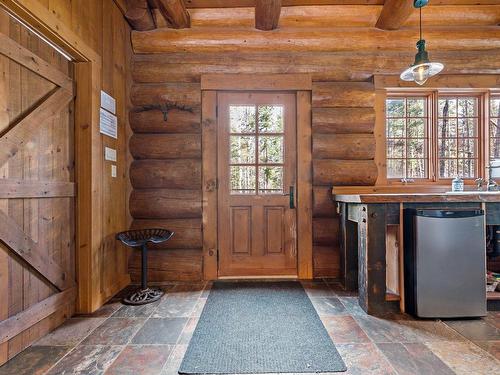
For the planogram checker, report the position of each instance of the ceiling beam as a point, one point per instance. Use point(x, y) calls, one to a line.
point(139, 15)
point(267, 14)
point(394, 14)
point(174, 12)
point(224, 39)
point(250, 3)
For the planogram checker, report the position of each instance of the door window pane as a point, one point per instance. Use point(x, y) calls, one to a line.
point(457, 136)
point(242, 119)
point(271, 179)
point(271, 149)
point(271, 119)
point(242, 149)
point(243, 179)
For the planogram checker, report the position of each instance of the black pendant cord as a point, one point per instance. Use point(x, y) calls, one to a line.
point(420, 23)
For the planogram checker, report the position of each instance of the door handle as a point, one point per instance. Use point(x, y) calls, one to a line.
point(291, 194)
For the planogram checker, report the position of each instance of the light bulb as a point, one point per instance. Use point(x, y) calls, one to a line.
point(421, 73)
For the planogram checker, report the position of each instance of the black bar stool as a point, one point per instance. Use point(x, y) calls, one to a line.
point(140, 238)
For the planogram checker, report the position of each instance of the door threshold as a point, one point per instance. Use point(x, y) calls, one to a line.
point(270, 277)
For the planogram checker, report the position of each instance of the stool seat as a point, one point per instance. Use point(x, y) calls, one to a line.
point(140, 238)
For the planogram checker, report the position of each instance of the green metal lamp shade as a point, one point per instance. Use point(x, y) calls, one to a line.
point(422, 68)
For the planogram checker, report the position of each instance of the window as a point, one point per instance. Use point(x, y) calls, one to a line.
point(494, 127)
point(457, 136)
point(256, 149)
point(433, 135)
point(407, 134)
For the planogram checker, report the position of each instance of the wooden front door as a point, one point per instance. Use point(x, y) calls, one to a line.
point(257, 183)
point(37, 189)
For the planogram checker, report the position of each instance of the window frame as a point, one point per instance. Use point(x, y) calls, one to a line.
point(483, 136)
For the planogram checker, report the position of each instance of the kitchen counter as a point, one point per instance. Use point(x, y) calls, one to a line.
point(449, 197)
point(371, 232)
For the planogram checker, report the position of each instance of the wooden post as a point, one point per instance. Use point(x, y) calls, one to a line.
point(267, 14)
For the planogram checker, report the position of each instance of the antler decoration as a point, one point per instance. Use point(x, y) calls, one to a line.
point(165, 107)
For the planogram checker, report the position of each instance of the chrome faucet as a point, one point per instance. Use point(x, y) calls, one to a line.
point(492, 184)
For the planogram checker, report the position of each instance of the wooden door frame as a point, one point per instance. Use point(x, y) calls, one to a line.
point(301, 84)
point(88, 146)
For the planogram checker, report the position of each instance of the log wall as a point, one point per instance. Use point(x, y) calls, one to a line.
point(166, 172)
point(168, 65)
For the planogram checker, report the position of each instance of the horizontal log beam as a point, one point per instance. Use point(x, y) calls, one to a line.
point(343, 120)
point(394, 14)
point(167, 174)
point(344, 146)
point(322, 66)
point(286, 3)
point(325, 231)
point(218, 40)
point(165, 146)
point(153, 121)
point(343, 94)
point(187, 232)
point(165, 204)
point(323, 203)
point(267, 14)
point(13, 188)
point(326, 261)
point(330, 172)
point(348, 16)
point(169, 265)
point(183, 94)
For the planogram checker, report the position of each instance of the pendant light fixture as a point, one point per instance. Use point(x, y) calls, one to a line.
point(422, 68)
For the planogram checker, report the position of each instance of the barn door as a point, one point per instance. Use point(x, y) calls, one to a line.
point(257, 165)
point(37, 190)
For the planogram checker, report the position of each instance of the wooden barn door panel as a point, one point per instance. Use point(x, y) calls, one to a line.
point(37, 190)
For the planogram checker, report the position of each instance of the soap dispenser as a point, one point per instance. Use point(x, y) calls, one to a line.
point(457, 184)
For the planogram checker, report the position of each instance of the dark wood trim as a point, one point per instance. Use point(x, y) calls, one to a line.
point(209, 184)
point(16, 324)
point(13, 188)
point(304, 186)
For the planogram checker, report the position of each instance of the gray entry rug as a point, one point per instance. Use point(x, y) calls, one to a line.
point(260, 327)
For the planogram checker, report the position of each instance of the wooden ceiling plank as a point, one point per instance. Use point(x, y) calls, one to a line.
point(174, 12)
point(394, 14)
point(267, 14)
point(139, 16)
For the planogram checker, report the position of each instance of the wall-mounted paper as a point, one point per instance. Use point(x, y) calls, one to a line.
point(109, 154)
point(109, 124)
point(108, 102)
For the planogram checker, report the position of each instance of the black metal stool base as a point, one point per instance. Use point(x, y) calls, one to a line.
point(144, 296)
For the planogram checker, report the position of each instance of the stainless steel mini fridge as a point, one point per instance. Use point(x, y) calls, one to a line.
point(445, 263)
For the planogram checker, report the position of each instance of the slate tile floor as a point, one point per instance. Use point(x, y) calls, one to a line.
point(152, 339)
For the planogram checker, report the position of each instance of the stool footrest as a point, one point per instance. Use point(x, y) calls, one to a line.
point(143, 296)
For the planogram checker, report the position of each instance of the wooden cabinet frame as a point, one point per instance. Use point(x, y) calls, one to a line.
point(88, 146)
point(301, 84)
